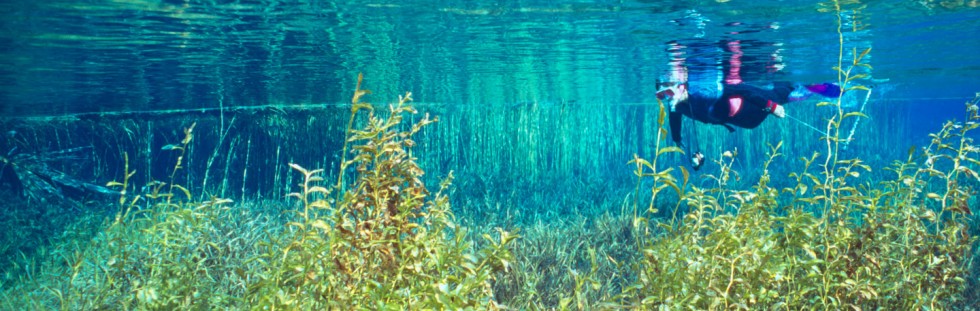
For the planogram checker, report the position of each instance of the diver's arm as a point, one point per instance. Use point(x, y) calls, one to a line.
point(675, 127)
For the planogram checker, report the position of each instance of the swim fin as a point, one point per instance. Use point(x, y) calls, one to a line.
point(826, 89)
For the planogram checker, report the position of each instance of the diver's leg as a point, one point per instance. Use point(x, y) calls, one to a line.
point(801, 92)
point(781, 91)
point(826, 89)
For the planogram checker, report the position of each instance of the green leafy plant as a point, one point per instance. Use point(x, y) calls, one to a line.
point(383, 241)
point(834, 240)
point(900, 244)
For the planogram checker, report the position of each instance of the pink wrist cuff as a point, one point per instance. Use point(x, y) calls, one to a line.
point(771, 105)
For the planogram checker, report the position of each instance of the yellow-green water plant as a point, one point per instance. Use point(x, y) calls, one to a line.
point(901, 244)
point(381, 241)
point(662, 178)
point(832, 241)
point(385, 242)
point(160, 251)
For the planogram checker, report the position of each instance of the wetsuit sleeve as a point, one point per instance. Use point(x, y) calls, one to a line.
point(675, 126)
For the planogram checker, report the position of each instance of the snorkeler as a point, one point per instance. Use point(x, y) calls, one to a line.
point(741, 105)
point(709, 88)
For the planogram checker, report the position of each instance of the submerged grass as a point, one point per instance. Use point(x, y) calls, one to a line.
point(902, 243)
point(834, 240)
point(833, 233)
point(381, 240)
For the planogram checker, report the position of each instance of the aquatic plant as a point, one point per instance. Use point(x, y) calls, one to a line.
point(384, 241)
point(899, 244)
point(832, 240)
point(838, 235)
point(574, 262)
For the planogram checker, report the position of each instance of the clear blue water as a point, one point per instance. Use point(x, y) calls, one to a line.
point(470, 58)
point(574, 79)
point(59, 57)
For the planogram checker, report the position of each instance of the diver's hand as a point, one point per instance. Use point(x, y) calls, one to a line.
point(779, 111)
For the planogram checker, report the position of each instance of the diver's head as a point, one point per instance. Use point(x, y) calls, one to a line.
point(672, 93)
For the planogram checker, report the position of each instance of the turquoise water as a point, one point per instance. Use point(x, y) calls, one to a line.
point(72, 56)
point(541, 103)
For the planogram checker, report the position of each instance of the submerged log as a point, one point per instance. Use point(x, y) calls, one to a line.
point(33, 176)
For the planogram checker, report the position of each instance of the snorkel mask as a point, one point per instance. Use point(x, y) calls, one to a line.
point(671, 93)
point(665, 90)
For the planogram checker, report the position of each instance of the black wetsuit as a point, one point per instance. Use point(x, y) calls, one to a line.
point(756, 104)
